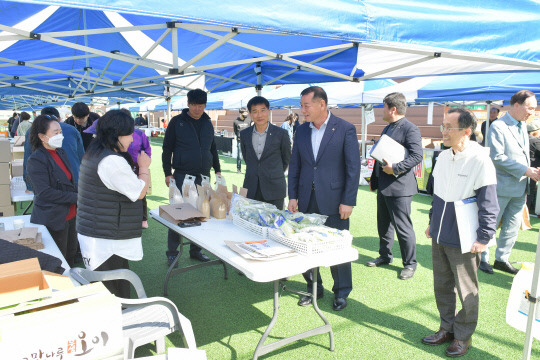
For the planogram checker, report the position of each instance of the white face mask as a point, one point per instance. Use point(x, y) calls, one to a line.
point(56, 141)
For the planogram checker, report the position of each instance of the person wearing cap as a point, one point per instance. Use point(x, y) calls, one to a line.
point(242, 122)
point(533, 128)
point(189, 148)
point(82, 119)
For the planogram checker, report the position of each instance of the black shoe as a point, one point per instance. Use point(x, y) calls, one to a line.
point(339, 304)
point(406, 273)
point(458, 348)
point(306, 300)
point(378, 262)
point(505, 266)
point(170, 260)
point(485, 267)
point(440, 337)
point(199, 256)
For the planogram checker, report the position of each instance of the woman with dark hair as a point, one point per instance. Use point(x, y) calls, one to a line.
point(55, 193)
point(109, 214)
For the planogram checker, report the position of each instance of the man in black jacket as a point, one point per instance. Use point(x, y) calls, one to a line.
point(239, 124)
point(189, 148)
point(533, 128)
point(266, 149)
point(396, 185)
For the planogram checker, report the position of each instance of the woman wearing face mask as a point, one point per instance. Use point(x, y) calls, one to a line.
point(109, 206)
point(55, 193)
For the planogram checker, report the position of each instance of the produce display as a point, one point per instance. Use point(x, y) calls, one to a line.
point(295, 226)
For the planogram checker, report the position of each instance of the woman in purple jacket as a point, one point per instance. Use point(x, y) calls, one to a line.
point(140, 142)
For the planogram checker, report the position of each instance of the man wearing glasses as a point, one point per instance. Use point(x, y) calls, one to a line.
point(464, 171)
point(509, 150)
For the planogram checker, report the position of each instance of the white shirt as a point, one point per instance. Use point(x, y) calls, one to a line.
point(117, 175)
point(317, 135)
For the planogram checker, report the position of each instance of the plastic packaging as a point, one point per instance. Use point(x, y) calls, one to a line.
point(189, 191)
point(175, 196)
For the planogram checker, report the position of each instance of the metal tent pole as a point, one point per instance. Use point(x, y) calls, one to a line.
point(532, 306)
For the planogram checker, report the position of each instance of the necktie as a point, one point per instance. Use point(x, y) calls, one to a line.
point(520, 128)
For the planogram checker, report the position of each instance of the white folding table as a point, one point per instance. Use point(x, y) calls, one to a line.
point(211, 235)
point(50, 246)
point(19, 194)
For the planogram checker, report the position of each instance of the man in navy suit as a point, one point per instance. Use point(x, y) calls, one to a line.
point(397, 184)
point(324, 173)
point(266, 149)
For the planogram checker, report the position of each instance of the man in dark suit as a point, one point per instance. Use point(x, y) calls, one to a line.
point(266, 149)
point(397, 184)
point(324, 173)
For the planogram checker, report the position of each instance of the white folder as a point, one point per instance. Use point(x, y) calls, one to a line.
point(467, 221)
point(389, 149)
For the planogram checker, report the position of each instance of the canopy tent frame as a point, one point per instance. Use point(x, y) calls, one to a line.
point(86, 80)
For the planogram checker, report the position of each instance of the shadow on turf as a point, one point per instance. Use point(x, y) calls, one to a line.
point(424, 258)
point(376, 321)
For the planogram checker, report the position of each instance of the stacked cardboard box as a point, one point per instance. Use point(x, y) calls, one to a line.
point(53, 319)
point(17, 150)
point(28, 236)
point(17, 168)
point(6, 208)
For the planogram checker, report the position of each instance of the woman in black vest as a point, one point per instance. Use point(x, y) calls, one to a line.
point(55, 194)
point(109, 214)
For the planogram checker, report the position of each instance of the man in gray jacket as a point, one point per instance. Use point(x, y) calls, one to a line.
point(266, 149)
point(509, 149)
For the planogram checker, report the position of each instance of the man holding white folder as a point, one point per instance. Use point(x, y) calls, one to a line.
point(394, 180)
point(462, 172)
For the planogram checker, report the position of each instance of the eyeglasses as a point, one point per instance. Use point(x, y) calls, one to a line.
point(51, 117)
point(444, 128)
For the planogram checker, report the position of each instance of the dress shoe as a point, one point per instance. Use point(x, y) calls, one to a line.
point(170, 260)
point(378, 262)
point(505, 266)
point(306, 300)
point(406, 273)
point(440, 337)
point(458, 348)
point(199, 256)
point(485, 267)
point(339, 304)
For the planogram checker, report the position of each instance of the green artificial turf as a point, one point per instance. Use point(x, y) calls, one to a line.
point(385, 319)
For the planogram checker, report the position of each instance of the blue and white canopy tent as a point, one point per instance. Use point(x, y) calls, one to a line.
point(124, 48)
point(76, 49)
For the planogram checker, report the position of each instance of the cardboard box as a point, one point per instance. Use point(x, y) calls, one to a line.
point(5, 195)
point(17, 152)
point(5, 151)
point(17, 168)
point(5, 178)
point(27, 236)
point(83, 322)
point(22, 281)
point(180, 213)
point(7, 211)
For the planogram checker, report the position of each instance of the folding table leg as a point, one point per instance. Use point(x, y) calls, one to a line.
point(262, 349)
point(171, 268)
